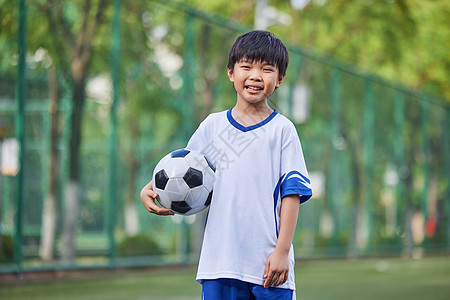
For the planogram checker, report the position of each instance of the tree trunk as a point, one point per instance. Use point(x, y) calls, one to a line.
point(131, 218)
point(359, 219)
point(68, 249)
point(49, 213)
point(72, 206)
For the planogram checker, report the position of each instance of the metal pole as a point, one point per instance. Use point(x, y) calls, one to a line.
point(188, 78)
point(335, 140)
point(115, 74)
point(188, 114)
point(20, 120)
point(295, 67)
point(368, 154)
point(399, 157)
point(425, 109)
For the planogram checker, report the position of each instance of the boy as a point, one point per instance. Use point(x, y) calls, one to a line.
point(260, 181)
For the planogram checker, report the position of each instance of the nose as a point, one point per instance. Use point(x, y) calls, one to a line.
point(255, 75)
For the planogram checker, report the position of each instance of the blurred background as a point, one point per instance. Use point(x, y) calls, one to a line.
point(94, 93)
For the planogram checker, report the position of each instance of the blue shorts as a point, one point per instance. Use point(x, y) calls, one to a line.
point(233, 289)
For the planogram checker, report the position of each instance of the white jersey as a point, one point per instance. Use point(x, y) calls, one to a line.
point(255, 167)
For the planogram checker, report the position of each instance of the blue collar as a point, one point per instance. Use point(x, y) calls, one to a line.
point(249, 128)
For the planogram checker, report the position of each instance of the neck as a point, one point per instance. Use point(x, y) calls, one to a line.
point(248, 115)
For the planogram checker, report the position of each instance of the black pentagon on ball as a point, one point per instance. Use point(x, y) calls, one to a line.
point(208, 200)
point(193, 177)
point(161, 179)
point(180, 153)
point(180, 207)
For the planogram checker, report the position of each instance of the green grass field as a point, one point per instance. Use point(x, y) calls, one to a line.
point(373, 279)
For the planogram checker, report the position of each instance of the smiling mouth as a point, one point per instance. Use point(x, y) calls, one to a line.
point(253, 88)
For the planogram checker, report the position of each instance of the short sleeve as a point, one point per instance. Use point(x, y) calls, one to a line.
point(198, 140)
point(201, 140)
point(294, 179)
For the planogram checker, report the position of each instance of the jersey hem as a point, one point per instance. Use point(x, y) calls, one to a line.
point(201, 277)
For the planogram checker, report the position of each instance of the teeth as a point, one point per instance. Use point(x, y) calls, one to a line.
point(254, 88)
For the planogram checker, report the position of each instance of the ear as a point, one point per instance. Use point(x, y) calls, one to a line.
point(279, 81)
point(230, 75)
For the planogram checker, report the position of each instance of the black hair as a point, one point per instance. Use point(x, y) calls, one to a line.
point(259, 46)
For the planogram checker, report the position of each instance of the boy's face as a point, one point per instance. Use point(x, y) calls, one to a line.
point(254, 81)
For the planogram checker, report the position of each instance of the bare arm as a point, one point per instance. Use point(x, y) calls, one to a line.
point(277, 266)
point(148, 196)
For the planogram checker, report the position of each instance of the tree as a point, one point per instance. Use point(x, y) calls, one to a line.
point(73, 40)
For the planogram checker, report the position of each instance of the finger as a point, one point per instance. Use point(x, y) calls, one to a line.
point(266, 269)
point(164, 212)
point(160, 210)
point(276, 279)
point(281, 279)
point(150, 204)
point(147, 192)
point(270, 280)
point(266, 274)
point(157, 209)
point(286, 277)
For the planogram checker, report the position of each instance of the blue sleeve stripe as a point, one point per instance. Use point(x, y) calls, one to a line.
point(299, 174)
point(276, 194)
point(295, 183)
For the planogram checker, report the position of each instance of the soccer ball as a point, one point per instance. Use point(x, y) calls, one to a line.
point(183, 180)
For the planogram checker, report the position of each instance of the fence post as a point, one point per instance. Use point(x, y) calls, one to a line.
point(188, 77)
point(296, 66)
point(20, 131)
point(113, 146)
point(368, 154)
point(425, 111)
point(335, 136)
point(187, 103)
point(399, 157)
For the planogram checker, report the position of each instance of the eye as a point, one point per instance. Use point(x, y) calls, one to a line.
point(245, 67)
point(268, 69)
